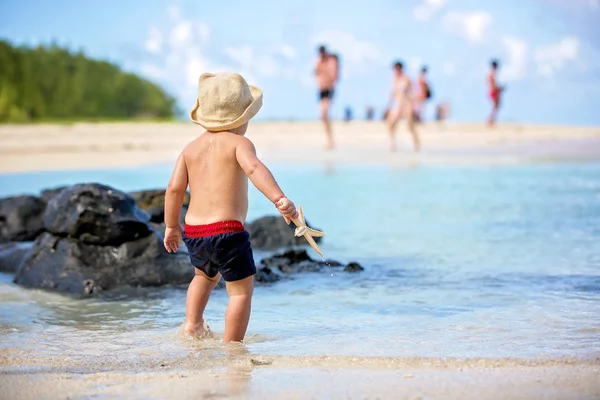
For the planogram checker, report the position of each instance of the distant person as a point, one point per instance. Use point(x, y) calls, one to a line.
point(216, 166)
point(442, 112)
point(326, 71)
point(401, 105)
point(370, 113)
point(422, 94)
point(348, 114)
point(495, 91)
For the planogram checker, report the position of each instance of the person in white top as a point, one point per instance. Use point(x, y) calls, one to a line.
point(401, 105)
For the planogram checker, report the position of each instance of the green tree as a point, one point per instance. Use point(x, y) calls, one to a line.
point(51, 83)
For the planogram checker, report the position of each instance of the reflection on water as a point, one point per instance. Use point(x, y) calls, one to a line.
point(466, 262)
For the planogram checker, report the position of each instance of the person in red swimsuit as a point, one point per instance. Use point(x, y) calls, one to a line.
point(494, 92)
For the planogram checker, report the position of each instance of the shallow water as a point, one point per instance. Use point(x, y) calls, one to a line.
point(478, 261)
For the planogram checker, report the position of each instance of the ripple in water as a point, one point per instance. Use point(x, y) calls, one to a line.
point(466, 262)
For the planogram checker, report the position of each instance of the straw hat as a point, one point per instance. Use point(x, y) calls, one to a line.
point(225, 101)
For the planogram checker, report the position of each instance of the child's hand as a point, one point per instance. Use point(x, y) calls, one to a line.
point(172, 238)
point(287, 209)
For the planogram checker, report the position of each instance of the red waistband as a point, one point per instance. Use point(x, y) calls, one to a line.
point(216, 228)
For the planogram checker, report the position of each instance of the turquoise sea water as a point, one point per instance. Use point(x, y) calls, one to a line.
point(491, 261)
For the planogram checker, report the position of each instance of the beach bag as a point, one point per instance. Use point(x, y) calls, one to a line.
point(428, 93)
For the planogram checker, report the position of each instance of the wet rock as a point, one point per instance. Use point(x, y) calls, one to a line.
point(266, 275)
point(153, 202)
point(48, 194)
point(12, 254)
point(295, 261)
point(332, 263)
point(353, 267)
point(287, 261)
point(69, 265)
point(158, 227)
point(308, 266)
point(21, 218)
point(271, 232)
point(95, 214)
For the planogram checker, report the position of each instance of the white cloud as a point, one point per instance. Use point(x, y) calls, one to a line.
point(355, 54)
point(181, 33)
point(425, 10)
point(178, 55)
point(472, 25)
point(516, 63)
point(287, 51)
point(263, 65)
point(194, 66)
point(553, 57)
point(154, 42)
point(448, 68)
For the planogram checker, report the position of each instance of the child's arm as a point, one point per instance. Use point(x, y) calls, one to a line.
point(173, 202)
point(262, 178)
point(175, 192)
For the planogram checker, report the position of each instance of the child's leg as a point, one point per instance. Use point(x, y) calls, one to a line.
point(197, 298)
point(238, 309)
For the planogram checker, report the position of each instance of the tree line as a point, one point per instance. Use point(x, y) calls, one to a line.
point(47, 83)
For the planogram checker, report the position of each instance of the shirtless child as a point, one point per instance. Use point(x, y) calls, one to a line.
point(401, 106)
point(217, 165)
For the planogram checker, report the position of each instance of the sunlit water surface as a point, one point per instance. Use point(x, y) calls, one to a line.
point(459, 261)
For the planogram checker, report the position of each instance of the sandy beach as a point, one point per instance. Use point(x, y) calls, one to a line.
point(114, 145)
point(211, 371)
point(242, 376)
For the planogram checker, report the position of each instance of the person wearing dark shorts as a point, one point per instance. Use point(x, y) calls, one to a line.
point(221, 247)
point(326, 72)
point(326, 94)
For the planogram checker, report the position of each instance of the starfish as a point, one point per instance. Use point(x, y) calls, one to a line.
point(308, 233)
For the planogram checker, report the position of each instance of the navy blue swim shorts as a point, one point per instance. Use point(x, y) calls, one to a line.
point(221, 247)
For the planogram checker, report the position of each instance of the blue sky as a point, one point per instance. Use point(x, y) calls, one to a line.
point(549, 49)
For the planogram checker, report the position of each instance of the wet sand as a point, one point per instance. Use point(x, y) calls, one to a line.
point(244, 376)
point(115, 145)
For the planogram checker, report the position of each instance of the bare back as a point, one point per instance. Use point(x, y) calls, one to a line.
point(218, 185)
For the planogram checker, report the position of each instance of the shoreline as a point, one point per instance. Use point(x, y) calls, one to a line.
point(286, 377)
point(47, 147)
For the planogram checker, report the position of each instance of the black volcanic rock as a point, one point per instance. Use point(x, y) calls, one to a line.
point(271, 232)
point(21, 218)
point(95, 214)
point(69, 265)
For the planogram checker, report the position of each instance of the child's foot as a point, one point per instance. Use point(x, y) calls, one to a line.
point(200, 330)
